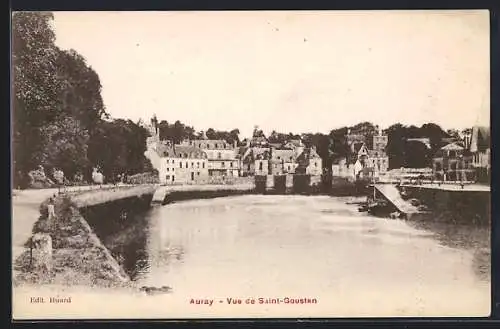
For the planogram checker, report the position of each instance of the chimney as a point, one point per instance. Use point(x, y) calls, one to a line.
point(235, 143)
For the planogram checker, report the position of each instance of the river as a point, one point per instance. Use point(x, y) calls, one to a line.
point(316, 249)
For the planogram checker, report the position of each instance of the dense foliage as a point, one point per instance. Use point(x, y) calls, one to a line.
point(59, 119)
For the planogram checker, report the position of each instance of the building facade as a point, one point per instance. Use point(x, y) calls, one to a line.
point(283, 161)
point(182, 164)
point(453, 162)
point(222, 157)
point(480, 148)
point(309, 163)
point(255, 161)
point(378, 158)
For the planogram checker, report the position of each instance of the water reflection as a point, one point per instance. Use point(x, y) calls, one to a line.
point(474, 237)
point(310, 245)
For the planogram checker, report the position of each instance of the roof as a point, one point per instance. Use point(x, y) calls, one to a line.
point(356, 147)
point(295, 142)
point(481, 139)
point(254, 153)
point(306, 155)
point(284, 154)
point(180, 151)
point(452, 147)
point(216, 144)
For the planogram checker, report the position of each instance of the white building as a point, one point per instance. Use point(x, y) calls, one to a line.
point(222, 156)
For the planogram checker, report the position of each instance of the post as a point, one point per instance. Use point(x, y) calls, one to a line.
point(41, 253)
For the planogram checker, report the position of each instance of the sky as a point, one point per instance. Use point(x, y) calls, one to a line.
point(289, 71)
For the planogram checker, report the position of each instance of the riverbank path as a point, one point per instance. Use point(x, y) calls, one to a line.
point(26, 211)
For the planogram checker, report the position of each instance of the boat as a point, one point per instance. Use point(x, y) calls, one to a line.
point(378, 207)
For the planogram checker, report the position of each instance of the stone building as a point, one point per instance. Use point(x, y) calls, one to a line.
point(222, 156)
point(282, 161)
point(179, 164)
point(378, 158)
point(309, 162)
point(255, 161)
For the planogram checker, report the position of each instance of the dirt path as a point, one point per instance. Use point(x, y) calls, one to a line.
point(25, 212)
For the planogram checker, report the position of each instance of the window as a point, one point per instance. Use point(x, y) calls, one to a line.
point(168, 177)
point(168, 169)
point(197, 165)
point(231, 164)
point(168, 160)
point(224, 145)
point(223, 164)
point(180, 164)
point(289, 168)
point(192, 176)
point(216, 145)
point(192, 164)
point(198, 173)
point(279, 158)
point(218, 155)
point(315, 164)
point(165, 153)
point(173, 178)
point(291, 158)
point(260, 165)
point(203, 165)
point(173, 161)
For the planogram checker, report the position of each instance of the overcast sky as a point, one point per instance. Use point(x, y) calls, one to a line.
point(289, 71)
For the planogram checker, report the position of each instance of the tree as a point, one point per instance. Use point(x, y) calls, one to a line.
point(278, 138)
point(435, 135)
point(339, 147)
point(210, 133)
point(81, 89)
point(118, 147)
point(396, 145)
point(417, 155)
point(65, 146)
point(234, 136)
point(35, 85)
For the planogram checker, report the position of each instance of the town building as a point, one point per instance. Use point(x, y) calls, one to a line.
point(453, 162)
point(341, 168)
point(182, 164)
point(283, 161)
point(255, 161)
point(222, 156)
point(309, 162)
point(378, 158)
point(296, 145)
point(480, 148)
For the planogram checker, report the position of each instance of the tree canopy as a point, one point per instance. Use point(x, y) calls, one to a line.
point(58, 111)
